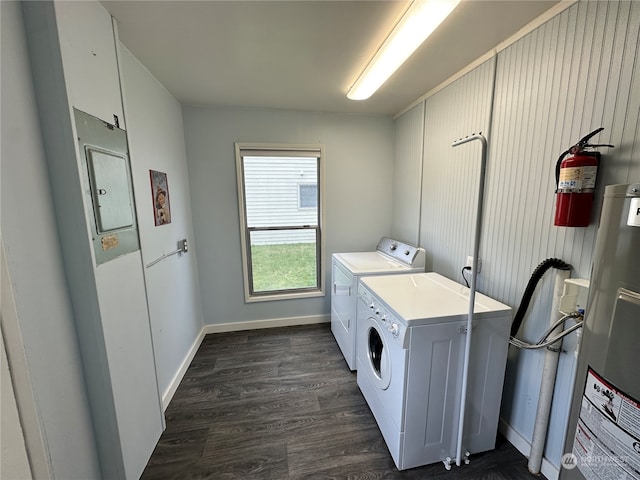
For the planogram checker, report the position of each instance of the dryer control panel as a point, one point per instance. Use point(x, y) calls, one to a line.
point(403, 252)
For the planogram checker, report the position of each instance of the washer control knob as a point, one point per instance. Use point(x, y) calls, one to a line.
point(377, 311)
point(384, 319)
point(393, 328)
point(393, 247)
point(372, 306)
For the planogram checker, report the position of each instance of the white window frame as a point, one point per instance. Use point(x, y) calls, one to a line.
point(272, 149)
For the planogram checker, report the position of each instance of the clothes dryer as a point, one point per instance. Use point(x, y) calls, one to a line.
point(410, 353)
point(391, 257)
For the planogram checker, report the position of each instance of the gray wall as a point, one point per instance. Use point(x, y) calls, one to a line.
point(450, 176)
point(156, 142)
point(33, 257)
point(358, 195)
point(577, 72)
point(407, 174)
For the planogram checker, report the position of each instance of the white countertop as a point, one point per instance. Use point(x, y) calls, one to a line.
point(421, 296)
point(360, 263)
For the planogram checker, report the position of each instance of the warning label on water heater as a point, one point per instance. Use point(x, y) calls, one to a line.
point(607, 441)
point(634, 213)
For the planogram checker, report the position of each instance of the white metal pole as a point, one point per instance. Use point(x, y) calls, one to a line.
point(472, 291)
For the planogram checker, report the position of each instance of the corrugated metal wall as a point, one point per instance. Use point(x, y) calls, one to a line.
point(577, 72)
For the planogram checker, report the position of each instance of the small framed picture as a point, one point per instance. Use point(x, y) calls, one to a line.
point(160, 197)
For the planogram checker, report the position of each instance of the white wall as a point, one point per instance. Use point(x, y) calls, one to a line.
point(108, 299)
point(451, 176)
point(33, 256)
point(407, 174)
point(358, 195)
point(156, 142)
point(45, 332)
point(576, 72)
point(14, 461)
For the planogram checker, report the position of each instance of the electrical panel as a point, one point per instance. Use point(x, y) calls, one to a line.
point(112, 217)
point(109, 189)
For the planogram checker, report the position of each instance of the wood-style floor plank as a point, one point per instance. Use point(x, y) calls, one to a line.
point(280, 404)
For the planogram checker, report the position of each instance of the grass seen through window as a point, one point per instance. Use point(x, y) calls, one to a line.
point(283, 266)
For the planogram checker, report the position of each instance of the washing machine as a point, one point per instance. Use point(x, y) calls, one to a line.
point(410, 354)
point(391, 257)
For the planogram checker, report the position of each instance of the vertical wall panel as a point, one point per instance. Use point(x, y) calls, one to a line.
point(577, 72)
point(407, 141)
point(156, 142)
point(451, 175)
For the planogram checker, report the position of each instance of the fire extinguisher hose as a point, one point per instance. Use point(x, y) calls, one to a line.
point(530, 289)
point(558, 163)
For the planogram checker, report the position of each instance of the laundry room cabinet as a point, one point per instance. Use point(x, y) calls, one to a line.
point(88, 50)
point(432, 401)
point(72, 48)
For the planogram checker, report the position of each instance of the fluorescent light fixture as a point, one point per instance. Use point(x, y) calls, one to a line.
point(418, 22)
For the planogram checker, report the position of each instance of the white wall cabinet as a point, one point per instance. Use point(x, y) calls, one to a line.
point(74, 62)
point(87, 45)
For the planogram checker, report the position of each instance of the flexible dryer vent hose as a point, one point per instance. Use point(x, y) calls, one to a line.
point(531, 286)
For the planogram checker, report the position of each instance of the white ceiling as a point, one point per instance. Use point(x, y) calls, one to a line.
point(303, 55)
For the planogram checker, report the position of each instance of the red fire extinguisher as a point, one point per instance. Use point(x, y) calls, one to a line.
point(576, 182)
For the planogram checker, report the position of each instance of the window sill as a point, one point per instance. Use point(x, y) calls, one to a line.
point(283, 296)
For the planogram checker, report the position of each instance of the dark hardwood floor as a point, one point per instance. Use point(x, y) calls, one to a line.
point(281, 404)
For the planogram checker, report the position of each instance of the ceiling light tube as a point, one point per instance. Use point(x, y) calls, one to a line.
point(418, 22)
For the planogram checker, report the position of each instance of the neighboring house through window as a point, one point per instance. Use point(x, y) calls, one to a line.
point(280, 200)
point(308, 195)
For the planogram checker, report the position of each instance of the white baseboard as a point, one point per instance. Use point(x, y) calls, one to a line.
point(270, 323)
point(516, 439)
point(177, 378)
point(232, 327)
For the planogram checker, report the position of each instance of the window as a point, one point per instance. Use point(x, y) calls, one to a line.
point(279, 195)
point(308, 195)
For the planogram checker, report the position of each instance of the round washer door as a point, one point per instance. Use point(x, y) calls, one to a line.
point(378, 356)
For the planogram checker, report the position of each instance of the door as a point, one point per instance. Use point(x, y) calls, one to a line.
point(433, 392)
point(377, 354)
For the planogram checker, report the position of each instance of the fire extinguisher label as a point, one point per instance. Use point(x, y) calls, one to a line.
point(578, 178)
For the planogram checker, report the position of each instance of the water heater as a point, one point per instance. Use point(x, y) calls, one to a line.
point(603, 437)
